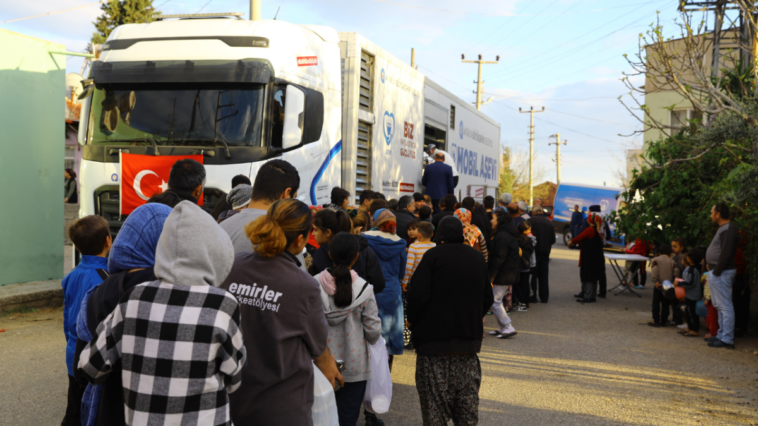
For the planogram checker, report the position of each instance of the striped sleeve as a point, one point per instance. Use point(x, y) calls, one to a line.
point(410, 264)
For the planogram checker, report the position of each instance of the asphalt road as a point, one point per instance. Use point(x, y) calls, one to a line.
point(570, 364)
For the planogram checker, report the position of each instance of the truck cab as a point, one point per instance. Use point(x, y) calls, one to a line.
point(236, 92)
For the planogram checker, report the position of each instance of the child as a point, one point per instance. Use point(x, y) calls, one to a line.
point(425, 214)
point(412, 229)
point(664, 269)
point(678, 307)
point(526, 242)
point(691, 284)
point(417, 250)
point(350, 309)
point(424, 232)
point(712, 317)
point(92, 238)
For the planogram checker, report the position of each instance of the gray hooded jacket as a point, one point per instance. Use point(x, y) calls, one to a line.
point(193, 249)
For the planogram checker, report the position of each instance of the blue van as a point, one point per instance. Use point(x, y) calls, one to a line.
point(575, 194)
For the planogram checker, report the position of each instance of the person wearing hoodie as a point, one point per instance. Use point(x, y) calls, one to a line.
point(447, 299)
point(129, 264)
point(177, 338)
point(237, 199)
point(390, 249)
point(503, 270)
point(285, 330)
point(353, 318)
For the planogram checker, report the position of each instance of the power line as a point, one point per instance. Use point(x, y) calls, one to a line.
point(52, 13)
point(579, 116)
point(504, 25)
point(206, 4)
point(461, 12)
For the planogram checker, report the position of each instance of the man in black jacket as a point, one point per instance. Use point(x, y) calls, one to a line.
point(404, 214)
point(449, 203)
point(543, 230)
point(447, 299)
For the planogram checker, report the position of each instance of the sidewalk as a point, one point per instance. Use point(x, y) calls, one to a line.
point(36, 294)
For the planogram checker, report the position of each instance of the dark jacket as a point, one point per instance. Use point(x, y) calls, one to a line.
point(70, 191)
point(441, 215)
point(103, 300)
point(402, 217)
point(504, 258)
point(527, 248)
point(221, 206)
point(447, 299)
point(543, 230)
point(591, 257)
point(367, 266)
point(438, 180)
point(479, 219)
point(576, 219)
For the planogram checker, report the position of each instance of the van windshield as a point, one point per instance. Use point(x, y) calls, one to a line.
point(187, 114)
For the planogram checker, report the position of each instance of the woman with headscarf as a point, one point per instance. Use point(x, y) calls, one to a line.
point(472, 236)
point(447, 299)
point(591, 257)
point(390, 249)
point(130, 263)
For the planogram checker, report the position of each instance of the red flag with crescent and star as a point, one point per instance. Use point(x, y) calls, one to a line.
point(143, 176)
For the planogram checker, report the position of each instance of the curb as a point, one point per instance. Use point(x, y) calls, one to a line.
point(35, 294)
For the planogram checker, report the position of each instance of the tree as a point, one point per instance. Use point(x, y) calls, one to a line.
point(120, 12)
point(712, 158)
point(514, 174)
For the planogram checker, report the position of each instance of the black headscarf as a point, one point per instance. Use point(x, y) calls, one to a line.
point(450, 231)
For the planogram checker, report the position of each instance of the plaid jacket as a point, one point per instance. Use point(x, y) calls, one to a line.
point(181, 351)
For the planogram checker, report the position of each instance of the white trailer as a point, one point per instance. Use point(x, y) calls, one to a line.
point(338, 107)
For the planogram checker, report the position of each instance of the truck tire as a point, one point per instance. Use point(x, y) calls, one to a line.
point(567, 237)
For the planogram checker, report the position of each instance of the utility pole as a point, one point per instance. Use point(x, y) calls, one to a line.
point(479, 82)
point(531, 151)
point(255, 10)
point(413, 58)
point(558, 144)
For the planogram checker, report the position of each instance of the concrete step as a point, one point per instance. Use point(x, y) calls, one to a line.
point(35, 294)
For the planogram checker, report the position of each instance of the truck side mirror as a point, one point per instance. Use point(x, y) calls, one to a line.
point(292, 134)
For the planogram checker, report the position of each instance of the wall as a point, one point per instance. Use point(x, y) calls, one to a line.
point(31, 158)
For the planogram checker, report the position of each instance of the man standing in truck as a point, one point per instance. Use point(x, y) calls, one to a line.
point(448, 160)
point(438, 180)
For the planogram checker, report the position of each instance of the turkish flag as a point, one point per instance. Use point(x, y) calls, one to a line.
point(143, 176)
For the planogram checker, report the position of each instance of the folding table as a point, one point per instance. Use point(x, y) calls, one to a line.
point(620, 274)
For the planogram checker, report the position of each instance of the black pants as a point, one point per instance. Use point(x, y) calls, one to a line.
point(349, 399)
point(521, 290)
point(693, 321)
point(73, 409)
point(603, 284)
point(641, 277)
point(435, 206)
point(543, 271)
point(661, 306)
point(677, 311)
point(741, 301)
point(533, 284)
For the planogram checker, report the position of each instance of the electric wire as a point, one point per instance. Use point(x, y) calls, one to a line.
point(52, 13)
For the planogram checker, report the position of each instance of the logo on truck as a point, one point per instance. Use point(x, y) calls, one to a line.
point(382, 75)
point(460, 129)
point(307, 61)
point(389, 126)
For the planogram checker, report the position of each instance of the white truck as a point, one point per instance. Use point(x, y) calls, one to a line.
point(342, 110)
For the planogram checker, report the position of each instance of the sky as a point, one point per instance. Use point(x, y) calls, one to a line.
point(564, 55)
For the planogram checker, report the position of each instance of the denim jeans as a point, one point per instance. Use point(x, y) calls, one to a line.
point(349, 399)
point(721, 296)
point(498, 310)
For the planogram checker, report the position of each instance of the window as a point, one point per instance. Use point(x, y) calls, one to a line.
point(69, 157)
point(452, 116)
point(679, 118)
point(367, 75)
point(277, 119)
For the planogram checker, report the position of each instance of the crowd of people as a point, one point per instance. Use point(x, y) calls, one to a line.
point(224, 315)
point(688, 284)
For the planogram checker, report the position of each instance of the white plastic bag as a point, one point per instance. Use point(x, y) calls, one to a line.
point(379, 386)
point(324, 411)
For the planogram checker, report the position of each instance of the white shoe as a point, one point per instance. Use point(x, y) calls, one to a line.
point(682, 326)
point(507, 332)
point(497, 332)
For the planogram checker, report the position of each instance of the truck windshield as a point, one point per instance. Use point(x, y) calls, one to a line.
point(188, 114)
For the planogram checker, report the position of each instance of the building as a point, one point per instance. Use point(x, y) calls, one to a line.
point(634, 161)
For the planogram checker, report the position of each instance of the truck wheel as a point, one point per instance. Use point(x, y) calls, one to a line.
point(567, 238)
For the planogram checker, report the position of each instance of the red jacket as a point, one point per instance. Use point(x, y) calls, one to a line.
point(641, 248)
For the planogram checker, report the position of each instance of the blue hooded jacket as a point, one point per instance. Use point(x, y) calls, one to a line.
point(76, 284)
point(390, 250)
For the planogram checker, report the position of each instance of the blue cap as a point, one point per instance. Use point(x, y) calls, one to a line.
point(138, 238)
